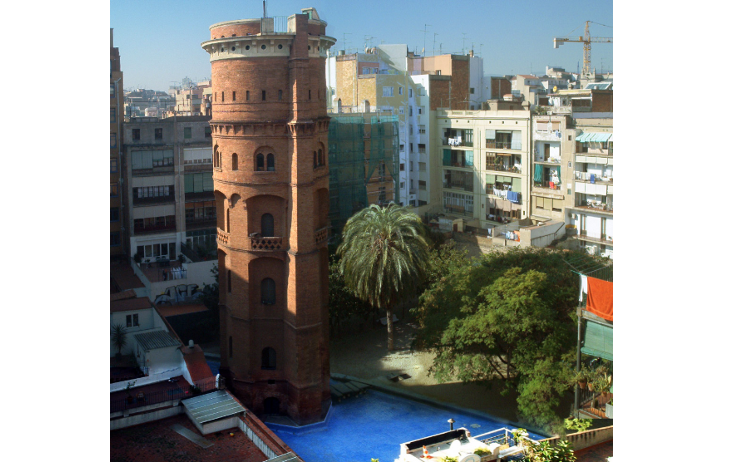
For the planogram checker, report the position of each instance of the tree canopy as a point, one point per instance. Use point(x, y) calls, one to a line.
point(505, 316)
point(384, 256)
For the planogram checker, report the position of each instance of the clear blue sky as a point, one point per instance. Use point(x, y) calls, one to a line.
point(159, 41)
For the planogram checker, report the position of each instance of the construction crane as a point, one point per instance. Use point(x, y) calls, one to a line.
point(587, 40)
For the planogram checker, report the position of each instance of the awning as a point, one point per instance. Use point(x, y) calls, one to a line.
point(598, 341)
point(589, 137)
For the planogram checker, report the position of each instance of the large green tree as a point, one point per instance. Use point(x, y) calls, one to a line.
point(384, 256)
point(506, 316)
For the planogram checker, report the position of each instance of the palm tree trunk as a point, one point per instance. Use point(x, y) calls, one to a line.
point(389, 318)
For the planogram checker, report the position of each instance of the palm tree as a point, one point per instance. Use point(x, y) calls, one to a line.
point(384, 254)
point(118, 337)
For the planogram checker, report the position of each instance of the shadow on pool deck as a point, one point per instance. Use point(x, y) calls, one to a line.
point(364, 355)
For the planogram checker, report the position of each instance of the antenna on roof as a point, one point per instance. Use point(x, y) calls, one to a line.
point(264, 8)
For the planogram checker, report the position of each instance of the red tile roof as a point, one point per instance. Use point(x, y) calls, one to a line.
point(597, 453)
point(130, 304)
point(195, 360)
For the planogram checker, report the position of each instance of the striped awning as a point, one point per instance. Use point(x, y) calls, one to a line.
point(589, 137)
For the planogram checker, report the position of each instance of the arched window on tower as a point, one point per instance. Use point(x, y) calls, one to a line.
point(321, 157)
point(269, 359)
point(260, 167)
point(267, 290)
point(270, 163)
point(315, 159)
point(216, 162)
point(268, 225)
point(234, 162)
point(228, 221)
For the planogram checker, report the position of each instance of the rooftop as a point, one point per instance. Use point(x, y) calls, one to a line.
point(159, 442)
point(156, 339)
point(130, 304)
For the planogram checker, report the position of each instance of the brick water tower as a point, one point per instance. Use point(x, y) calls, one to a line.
point(271, 183)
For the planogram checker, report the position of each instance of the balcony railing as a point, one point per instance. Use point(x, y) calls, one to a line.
point(456, 142)
point(585, 176)
point(322, 235)
point(154, 200)
point(457, 210)
point(153, 229)
point(596, 206)
point(492, 144)
point(503, 168)
point(222, 236)
point(265, 243)
point(547, 185)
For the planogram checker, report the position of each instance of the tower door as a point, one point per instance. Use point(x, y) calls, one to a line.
point(268, 223)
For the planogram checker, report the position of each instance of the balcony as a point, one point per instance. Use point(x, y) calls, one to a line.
point(154, 200)
point(265, 244)
point(595, 240)
point(503, 168)
point(222, 236)
point(493, 144)
point(154, 229)
point(594, 206)
point(457, 210)
point(550, 185)
point(322, 235)
point(585, 176)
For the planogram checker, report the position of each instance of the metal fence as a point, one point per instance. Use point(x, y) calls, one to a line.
point(138, 398)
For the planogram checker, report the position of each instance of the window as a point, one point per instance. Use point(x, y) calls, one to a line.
point(228, 280)
point(112, 115)
point(269, 359)
point(264, 95)
point(135, 134)
point(114, 214)
point(422, 166)
point(387, 91)
point(400, 110)
point(199, 212)
point(422, 185)
point(472, 91)
point(222, 97)
point(147, 192)
point(280, 95)
point(422, 129)
point(157, 133)
point(188, 133)
point(270, 162)
point(132, 320)
point(400, 90)
point(115, 239)
point(113, 165)
point(113, 141)
point(421, 109)
point(234, 162)
point(113, 90)
point(268, 291)
point(247, 95)
point(411, 166)
point(402, 185)
point(401, 167)
point(381, 195)
point(207, 132)
point(309, 95)
point(114, 190)
point(267, 225)
point(260, 167)
point(144, 160)
point(233, 96)
point(198, 182)
point(411, 93)
point(401, 148)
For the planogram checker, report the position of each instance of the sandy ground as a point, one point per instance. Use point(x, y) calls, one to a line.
point(363, 353)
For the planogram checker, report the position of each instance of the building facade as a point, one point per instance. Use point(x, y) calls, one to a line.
point(116, 122)
point(591, 212)
point(484, 163)
point(552, 163)
point(168, 186)
point(271, 181)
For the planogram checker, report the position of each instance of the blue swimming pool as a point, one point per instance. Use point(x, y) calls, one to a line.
point(374, 425)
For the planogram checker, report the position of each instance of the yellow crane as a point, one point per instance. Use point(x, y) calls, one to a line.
point(587, 40)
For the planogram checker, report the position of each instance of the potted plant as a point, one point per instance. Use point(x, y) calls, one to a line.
point(118, 339)
point(581, 378)
point(485, 454)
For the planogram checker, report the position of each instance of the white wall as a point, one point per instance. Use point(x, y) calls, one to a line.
point(164, 360)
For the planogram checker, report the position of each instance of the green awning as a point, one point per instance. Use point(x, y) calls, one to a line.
point(598, 341)
point(589, 137)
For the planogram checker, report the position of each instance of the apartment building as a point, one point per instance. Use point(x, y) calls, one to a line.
point(484, 171)
point(584, 100)
point(147, 103)
point(168, 186)
point(591, 212)
point(116, 121)
point(552, 163)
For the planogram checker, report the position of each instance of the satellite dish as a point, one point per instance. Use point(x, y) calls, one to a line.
point(469, 458)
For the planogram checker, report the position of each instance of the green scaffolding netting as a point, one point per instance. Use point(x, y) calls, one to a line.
point(360, 146)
